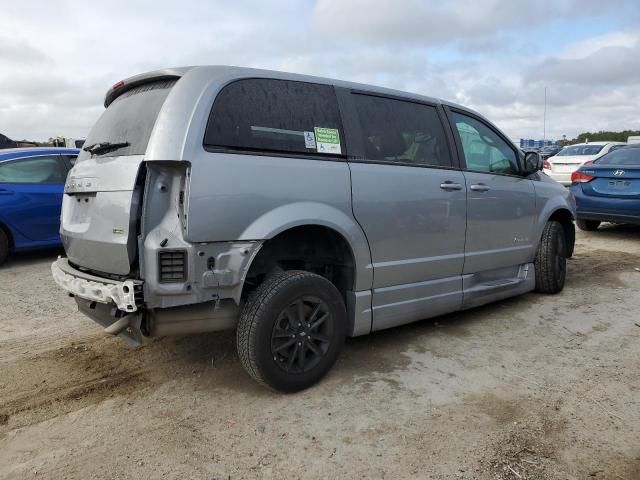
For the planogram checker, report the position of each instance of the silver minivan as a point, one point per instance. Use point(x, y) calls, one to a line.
point(299, 211)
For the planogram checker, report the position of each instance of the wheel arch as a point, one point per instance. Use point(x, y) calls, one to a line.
point(310, 247)
point(297, 217)
point(334, 248)
point(566, 218)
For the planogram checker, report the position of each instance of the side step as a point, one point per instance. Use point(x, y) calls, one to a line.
point(479, 291)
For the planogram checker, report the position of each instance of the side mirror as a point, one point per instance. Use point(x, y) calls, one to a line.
point(532, 162)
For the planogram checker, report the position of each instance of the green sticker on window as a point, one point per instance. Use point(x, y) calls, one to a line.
point(328, 140)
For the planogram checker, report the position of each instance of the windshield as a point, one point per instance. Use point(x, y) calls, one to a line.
point(129, 120)
point(580, 150)
point(623, 156)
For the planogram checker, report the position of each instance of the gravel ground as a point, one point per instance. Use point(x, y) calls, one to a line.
point(536, 387)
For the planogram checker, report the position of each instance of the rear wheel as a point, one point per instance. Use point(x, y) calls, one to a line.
point(551, 259)
point(4, 246)
point(588, 225)
point(291, 330)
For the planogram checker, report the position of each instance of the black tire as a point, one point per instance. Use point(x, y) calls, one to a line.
point(588, 225)
point(551, 259)
point(276, 340)
point(4, 246)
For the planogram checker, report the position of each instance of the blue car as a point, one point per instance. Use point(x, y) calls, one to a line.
point(31, 186)
point(608, 189)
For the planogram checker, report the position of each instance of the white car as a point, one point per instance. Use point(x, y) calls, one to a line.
point(569, 159)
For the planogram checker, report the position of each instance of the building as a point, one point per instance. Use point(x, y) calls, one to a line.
point(537, 144)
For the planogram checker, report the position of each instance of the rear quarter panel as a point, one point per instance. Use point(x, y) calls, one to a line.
point(234, 197)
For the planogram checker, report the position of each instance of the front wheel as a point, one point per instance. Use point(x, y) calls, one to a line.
point(551, 259)
point(291, 330)
point(588, 225)
point(4, 246)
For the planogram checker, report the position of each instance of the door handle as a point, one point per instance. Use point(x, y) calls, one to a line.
point(479, 187)
point(450, 186)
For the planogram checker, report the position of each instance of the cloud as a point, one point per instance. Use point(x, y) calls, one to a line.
point(487, 55)
point(433, 22)
point(22, 52)
point(607, 66)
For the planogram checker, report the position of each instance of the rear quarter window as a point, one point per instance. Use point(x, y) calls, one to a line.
point(280, 116)
point(402, 132)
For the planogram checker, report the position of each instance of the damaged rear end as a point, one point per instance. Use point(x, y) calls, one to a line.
point(123, 224)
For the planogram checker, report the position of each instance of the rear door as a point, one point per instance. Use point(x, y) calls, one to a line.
point(501, 202)
point(31, 195)
point(101, 199)
point(410, 199)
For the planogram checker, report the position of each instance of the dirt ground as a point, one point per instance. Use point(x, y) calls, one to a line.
point(536, 387)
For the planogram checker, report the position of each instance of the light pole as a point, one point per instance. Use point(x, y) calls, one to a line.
point(544, 119)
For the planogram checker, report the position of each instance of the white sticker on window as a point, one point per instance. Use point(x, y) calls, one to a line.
point(309, 140)
point(328, 140)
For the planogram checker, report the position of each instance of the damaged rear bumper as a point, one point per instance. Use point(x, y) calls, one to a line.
point(97, 289)
point(118, 307)
point(110, 303)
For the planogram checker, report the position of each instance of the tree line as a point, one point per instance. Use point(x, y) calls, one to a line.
point(600, 136)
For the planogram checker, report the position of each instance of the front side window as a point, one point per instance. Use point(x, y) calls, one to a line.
point(32, 170)
point(484, 150)
point(401, 132)
point(280, 116)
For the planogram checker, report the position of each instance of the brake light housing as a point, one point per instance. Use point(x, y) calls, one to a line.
point(581, 177)
point(546, 165)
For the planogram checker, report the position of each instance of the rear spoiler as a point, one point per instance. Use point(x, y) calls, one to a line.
point(132, 82)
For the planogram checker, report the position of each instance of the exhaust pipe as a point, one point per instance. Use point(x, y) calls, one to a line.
point(126, 326)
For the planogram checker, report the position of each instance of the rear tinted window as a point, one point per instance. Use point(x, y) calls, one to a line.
point(130, 118)
point(401, 132)
point(623, 156)
point(276, 116)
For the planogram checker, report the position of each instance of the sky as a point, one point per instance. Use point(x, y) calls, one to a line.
point(58, 58)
